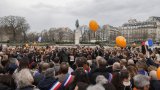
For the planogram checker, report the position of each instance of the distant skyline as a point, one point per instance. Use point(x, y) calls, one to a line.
point(44, 14)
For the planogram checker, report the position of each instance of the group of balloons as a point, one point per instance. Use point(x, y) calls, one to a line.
point(120, 40)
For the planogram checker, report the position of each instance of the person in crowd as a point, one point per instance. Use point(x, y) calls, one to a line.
point(24, 80)
point(116, 67)
point(101, 70)
point(141, 82)
point(81, 80)
point(78, 68)
point(101, 84)
point(56, 65)
point(121, 80)
point(130, 62)
point(6, 80)
point(49, 82)
point(39, 75)
point(64, 77)
point(154, 82)
point(123, 63)
point(142, 65)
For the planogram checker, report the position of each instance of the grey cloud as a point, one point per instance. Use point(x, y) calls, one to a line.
point(115, 12)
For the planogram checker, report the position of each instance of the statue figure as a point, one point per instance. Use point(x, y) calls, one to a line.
point(77, 23)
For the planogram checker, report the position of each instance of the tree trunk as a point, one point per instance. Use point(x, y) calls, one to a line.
point(14, 35)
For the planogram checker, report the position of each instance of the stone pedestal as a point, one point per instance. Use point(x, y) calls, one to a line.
point(77, 36)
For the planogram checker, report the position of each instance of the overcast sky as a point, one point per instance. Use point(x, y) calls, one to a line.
point(44, 14)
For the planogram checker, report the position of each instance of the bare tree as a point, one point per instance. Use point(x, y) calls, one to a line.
point(60, 35)
point(14, 25)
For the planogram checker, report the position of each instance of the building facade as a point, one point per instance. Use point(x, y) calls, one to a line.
point(111, 33)
point(137, 31)
point(63, 34)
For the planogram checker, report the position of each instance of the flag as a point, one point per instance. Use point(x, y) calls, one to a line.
point(68, 80)
point(56, 86)
point(39, 39)
point(149, 42)
point(146, 43)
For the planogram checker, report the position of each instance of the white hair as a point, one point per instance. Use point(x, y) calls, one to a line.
point(98, 58)
point(140, 81)
point(116, 66)
point(23, 78)
point(153, 75)
point(130, 62)
point(123, 60)
point(100, 79)
point(96, 87)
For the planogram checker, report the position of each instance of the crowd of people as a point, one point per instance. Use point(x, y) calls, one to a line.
point(80, 68)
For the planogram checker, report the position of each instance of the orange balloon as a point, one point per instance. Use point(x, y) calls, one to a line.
point(121, 41)
point(158, 73)
point(93, 25)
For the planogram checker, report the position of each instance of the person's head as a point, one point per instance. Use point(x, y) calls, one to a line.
point(125, 78)
point(56, 60)
point(121, 78)
point(33, 65)
point(81, 76)
point(116, 66)
point(100, 79)
point(80, 61)
point(51, 64)
point(130, 62)
point(64, 68)
point(101, 63)
point(44, 66)
point(141, 82)
point(132, 70)
point(153, 75)
point(89, 57)
point(50, 72)
point(141, 65)
point(96, 87)
point(141, 56)
point(23, 63)
point(123, 62)
point(24, 78)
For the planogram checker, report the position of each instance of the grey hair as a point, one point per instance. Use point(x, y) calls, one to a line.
point(116, 66)
point(100, 60)
point(140, 81)
point(96, 87)
point(50, 72)
point(130, 62)
point(23, 78)
point(153, 75)
point(100, 79)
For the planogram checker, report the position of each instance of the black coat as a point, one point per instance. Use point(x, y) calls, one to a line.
point(154, 85)
point(5, 87)
point(46, 83)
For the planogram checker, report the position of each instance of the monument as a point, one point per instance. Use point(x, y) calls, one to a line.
point(77, 33)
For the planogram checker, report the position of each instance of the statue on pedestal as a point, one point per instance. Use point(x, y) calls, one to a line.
point(77, 32)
